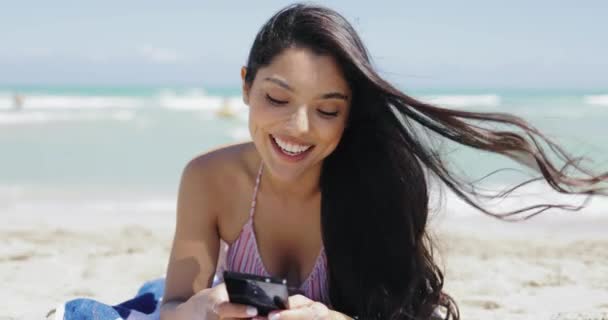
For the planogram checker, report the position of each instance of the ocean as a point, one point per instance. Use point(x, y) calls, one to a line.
point(101, 150)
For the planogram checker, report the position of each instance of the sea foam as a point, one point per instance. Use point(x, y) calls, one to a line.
point(45, 117)
point(596, 100)
point(464, 101)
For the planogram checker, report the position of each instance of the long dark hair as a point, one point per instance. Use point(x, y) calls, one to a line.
point(374, 186)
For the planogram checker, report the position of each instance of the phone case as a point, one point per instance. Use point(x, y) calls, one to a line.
point(264, 293)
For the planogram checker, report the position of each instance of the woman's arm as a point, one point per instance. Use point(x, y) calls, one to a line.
point(196, 241)
point(173, 310)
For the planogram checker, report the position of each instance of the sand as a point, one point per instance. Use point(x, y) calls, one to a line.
point(548, 269)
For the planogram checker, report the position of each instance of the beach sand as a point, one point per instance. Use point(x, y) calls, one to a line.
point(548, 269)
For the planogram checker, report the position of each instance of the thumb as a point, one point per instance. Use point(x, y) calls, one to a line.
point(299, 301)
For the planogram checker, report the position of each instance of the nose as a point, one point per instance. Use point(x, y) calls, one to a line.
point(299, 120)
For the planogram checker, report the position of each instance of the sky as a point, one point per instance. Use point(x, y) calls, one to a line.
point(457, 44)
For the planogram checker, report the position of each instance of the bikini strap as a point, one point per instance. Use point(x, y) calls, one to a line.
point(255, 191)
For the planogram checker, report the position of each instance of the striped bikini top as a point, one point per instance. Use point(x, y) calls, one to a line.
point(243, 256)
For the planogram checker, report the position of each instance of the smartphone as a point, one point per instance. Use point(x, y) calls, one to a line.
point(264, 293)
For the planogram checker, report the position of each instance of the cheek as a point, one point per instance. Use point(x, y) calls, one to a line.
point(256, 121)
point(332, 133)
point(258, 116)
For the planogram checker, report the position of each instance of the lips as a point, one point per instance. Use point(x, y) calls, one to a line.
point(289, 150)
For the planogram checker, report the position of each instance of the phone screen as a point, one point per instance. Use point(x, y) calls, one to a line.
point(264, 293)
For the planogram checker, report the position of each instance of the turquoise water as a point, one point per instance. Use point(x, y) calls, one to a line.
point(137, 139)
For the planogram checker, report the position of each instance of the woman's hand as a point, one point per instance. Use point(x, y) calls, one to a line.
point(301, 308)
point(213, 303)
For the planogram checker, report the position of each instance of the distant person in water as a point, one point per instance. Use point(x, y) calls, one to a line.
point(226, 110)
point(17, 102)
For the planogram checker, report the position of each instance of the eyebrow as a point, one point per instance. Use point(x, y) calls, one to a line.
point(330, 95)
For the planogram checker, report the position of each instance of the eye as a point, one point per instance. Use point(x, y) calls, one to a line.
point(274, 101)
point(328, 114)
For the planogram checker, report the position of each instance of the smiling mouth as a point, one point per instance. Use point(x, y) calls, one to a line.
point(290, 150)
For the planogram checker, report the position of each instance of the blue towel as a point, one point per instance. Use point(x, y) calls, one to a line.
point(144, 306)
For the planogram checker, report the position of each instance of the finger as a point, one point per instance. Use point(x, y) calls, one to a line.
point(234, 310)
point(221, 292)
point(314, 311)
point(298, 301)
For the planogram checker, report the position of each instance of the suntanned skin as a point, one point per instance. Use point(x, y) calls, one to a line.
point(215, 198)
point(216, 188)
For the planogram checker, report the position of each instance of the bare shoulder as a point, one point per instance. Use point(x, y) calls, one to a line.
point(223, 179)
point(223, 158)
point(210, 187)
point(222, 167)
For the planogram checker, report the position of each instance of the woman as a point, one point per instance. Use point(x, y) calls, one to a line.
point(332, 192)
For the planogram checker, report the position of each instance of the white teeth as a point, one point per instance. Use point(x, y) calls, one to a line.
point(291, 147)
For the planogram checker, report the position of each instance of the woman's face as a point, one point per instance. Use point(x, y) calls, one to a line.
point(299, 105)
